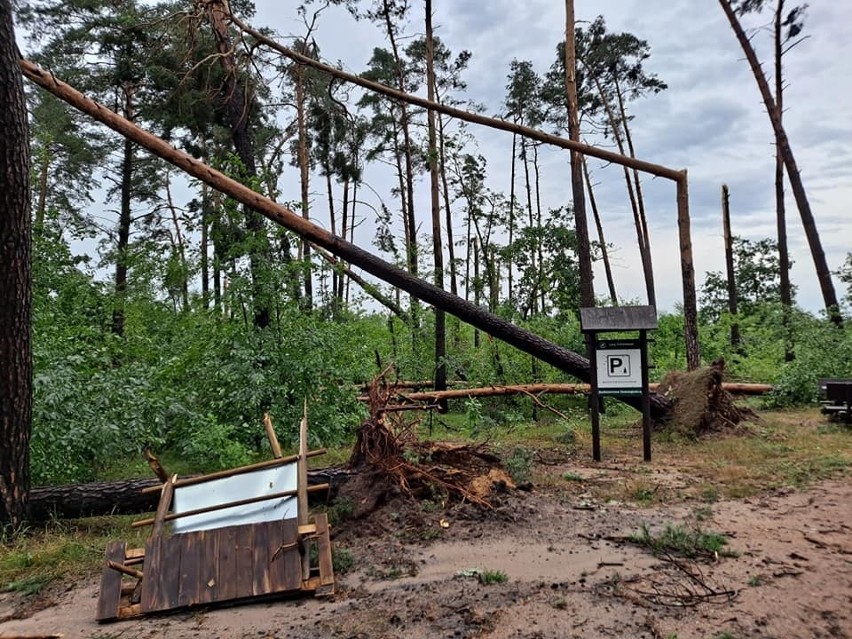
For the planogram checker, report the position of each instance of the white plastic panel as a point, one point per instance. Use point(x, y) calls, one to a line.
point(265, 481)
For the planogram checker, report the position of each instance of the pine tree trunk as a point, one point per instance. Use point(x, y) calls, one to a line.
point(729, 266)
point(687, 276)
point(581, 227)
point(407, 150)
point(445, 186)
point(512, 217)
point(237, 101)
point(780, 207)
point(204, 248)
point(644, 253)
point(304, 183)
point(122, 248)
point(434, 191)
point(647, 262)
point(610, 282)
point(823, 273)
point(335, 273)
point(16, 370)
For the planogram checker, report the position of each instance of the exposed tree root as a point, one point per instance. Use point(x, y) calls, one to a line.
point(701, 404)
point(387, 443)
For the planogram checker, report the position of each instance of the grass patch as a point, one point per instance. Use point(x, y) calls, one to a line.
point(680, 541)
point(30, 585)
point(485, 577)
point(341, 559)
point(488, 577)
point(73, 547)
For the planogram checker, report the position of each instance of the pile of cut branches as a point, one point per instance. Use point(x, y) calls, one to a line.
point(387, 442)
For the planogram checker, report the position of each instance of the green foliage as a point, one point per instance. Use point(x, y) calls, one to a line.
point(822, 350)
point(519, 464)
point(757, 277)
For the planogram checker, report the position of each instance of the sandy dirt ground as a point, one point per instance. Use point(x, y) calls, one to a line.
point(571, 573)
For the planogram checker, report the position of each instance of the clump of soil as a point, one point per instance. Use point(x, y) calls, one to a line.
point(701, 405)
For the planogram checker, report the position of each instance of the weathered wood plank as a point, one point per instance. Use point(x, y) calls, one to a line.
point(166, 495)
point(190, 565)
point(260, 559)
point(153, 597)
point(243, 582)
point(134, 553)
point(110, 595)
point(227, 569)
point(292, 558)
point(326, 568)
point(283, 540)
point(208, 569)
point(171, 563)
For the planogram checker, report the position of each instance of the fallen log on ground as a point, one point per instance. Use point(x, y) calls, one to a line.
point(125, 497)
point(535, 389)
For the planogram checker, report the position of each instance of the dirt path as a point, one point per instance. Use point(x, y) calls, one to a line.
point(569, 572)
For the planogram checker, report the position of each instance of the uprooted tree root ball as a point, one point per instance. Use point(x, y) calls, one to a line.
point(701, 405)
point(387, 449)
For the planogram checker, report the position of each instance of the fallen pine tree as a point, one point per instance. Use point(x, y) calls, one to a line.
point(124, 497)
point(735, 388)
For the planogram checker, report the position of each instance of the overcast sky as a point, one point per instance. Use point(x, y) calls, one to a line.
point(710, 121)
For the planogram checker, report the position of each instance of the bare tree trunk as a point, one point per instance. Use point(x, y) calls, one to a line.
point(823, 273)
point(335, 273)
point(729, 266)
point(343, 229)
point(409, 162)
point(204, 249)
point(780, 206)
point(351, 230)
point(451, 251)
point(581, 227)
point(687, 275)
point(304, 181)
point(16, 371)
point(122, 248)
point(539, 248)
point(533, 302)
point(237, 104)
point(644, 254)
point(477, 288)
point(647, 261)
point(604, 251)
point(437, 245)
point(512, 217)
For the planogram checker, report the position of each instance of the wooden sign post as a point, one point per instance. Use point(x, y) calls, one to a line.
point(618, 366)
